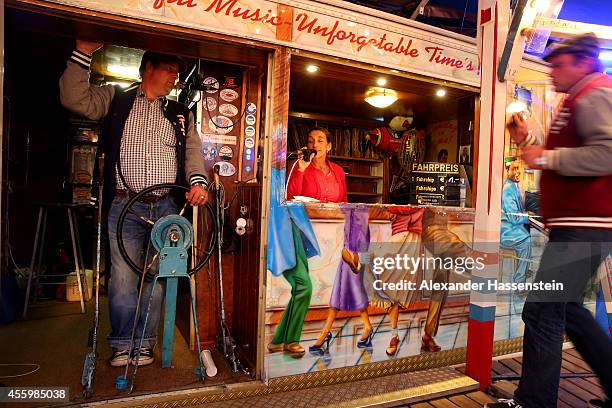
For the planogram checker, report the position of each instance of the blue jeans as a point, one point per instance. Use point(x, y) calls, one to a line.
point(571, 257)
point(523, 252)
point(124, 282)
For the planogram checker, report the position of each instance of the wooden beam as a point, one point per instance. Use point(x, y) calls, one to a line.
point(418, 8)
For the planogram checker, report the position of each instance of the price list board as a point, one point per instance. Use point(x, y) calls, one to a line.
point(434, 183)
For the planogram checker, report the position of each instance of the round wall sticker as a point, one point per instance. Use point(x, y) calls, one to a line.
point(251, 108)
point(229, 95)
point(250, 120)
point(228, 109)
point(249, 131)
point(209, 152)
point(210, 104)
point(213, 84)
point(226, 152)
point(249, 142)
point(226, 169)
point(220, 125)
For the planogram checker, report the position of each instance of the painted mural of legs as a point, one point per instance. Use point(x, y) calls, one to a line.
point(395, 340)
point(368, 331)
point(436, 305)
point(322, 343)
point(289, 331)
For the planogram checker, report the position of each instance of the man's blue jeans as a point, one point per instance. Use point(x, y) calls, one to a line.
point(124, 282)
point(571, 257)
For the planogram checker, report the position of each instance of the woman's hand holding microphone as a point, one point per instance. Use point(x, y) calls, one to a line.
point(303, 164)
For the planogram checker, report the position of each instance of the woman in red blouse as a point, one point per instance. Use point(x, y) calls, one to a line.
point(318, 178)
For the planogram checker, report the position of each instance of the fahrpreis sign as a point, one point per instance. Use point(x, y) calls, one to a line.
point(311, 26)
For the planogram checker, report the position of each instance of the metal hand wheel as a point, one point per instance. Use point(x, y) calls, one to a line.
point(207, 253)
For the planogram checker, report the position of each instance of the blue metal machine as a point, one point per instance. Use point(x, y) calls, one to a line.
point(171, 235)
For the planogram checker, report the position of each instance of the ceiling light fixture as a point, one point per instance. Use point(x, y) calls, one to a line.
point(380, 97)
point(312, 68)
point(440, 93)
point(381, 82)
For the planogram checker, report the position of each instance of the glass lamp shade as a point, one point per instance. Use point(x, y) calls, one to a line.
point(380, 97)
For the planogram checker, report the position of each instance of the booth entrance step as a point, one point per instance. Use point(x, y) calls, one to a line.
point(389, 391)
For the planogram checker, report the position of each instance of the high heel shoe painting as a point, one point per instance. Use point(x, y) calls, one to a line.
point(320, 349)
point(367, 342)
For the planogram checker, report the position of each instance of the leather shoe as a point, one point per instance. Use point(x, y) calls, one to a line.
point(275, 348)
point(393, 345)
point(294, 348)
point(352, 260)
point(428, 344)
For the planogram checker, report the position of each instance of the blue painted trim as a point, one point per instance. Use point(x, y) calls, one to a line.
point(482, 314)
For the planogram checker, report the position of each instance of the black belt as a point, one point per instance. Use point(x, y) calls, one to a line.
point(150, 199)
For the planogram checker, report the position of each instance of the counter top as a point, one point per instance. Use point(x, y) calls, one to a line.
point(381, 212)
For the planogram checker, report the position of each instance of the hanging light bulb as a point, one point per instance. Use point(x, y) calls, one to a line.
point(380, 97)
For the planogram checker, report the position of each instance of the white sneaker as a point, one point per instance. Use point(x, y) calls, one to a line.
point(504, 403)
point(120, 358)
point(145, 357)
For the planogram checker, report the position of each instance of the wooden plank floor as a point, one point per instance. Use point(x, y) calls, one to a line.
point(573, 392)
point(475, 399)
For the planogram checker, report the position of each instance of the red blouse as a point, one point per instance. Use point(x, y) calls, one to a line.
point(312, 182)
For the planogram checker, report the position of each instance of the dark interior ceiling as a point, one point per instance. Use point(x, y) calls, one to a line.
point(125, 49)
point(340, 89)
point(458, 16)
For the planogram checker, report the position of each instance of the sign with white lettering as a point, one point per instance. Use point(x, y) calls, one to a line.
point(435, 184)
point(322, 28)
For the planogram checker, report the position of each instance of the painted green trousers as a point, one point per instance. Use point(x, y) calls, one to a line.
point(290, 328)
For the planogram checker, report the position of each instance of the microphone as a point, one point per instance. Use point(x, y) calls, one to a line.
point(305, 152)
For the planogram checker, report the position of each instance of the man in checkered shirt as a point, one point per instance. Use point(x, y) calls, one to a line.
point(147, 140)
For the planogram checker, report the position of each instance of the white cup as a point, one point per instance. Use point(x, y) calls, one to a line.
point(208, 363)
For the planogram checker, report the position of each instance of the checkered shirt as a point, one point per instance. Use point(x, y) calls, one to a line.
point(148, 146)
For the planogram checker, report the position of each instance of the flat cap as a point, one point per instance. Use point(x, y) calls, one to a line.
point(157, 57)
point(583, 44)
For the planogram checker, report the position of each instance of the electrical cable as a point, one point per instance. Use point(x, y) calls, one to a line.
point(37, 367)
point(289, 178)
